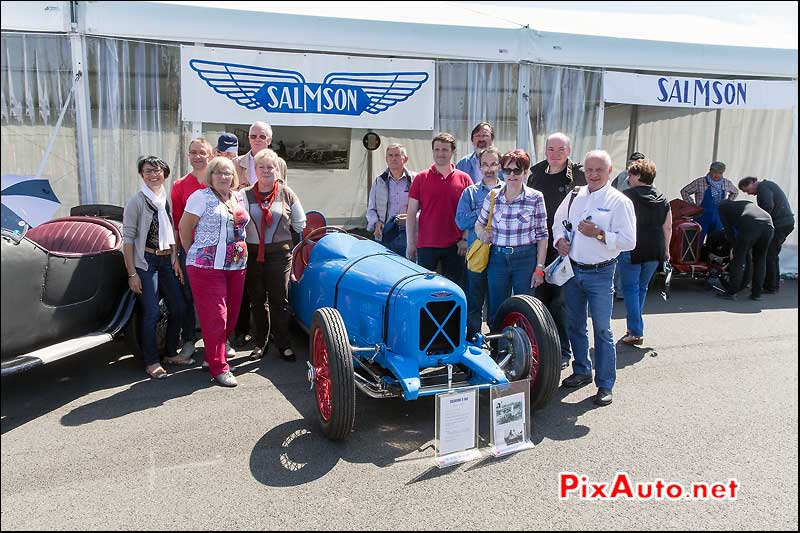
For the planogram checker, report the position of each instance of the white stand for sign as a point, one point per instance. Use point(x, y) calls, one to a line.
point(510, 417)
point(456, 427)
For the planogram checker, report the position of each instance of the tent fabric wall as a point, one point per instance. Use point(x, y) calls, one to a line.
point(566, 100)
point(134, 96)
point(616, 130)
point(679, 141)
point(37, 77)
point(754, 143)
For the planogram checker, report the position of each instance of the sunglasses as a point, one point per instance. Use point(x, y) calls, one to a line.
point(262, 137)
point(516, 171)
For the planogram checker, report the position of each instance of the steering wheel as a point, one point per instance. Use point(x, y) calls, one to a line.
point(312, 237)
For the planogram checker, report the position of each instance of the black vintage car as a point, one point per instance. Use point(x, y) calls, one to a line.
point(64, 288)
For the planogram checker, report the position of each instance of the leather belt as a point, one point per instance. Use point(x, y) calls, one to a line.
point(508, 250)
point(157, 252)
point(584, 266)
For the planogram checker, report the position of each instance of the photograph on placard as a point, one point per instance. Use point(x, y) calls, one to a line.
point(509, 419)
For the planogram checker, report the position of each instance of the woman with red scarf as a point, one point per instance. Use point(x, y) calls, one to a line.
point(274, 209)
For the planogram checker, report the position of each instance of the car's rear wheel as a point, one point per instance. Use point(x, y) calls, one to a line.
point(331, 374)
point(529, 314)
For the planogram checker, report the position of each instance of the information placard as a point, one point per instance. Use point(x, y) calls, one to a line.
point(510, 417)
point(456, 427)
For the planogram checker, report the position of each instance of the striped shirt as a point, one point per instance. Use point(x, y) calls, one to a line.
point(520, 222)
point(698, 189)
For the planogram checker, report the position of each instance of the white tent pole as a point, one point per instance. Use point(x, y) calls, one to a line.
point(601, 112)
point(523, 109)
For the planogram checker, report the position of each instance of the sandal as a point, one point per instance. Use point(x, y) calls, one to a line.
point(257, 353)
point(156, 371)
point(179, 360)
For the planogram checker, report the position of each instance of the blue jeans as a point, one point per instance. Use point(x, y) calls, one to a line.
point(159, 280)
point(592, 290)
point(478, 287)
point(635, 279)
point(509, 272)
point(398, 244)
point(189, 322)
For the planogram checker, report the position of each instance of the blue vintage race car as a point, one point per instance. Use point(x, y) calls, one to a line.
point(390, 328)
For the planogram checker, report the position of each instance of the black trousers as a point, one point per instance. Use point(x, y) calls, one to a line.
point(269, 281)
point(757, 243)
point(772, 280)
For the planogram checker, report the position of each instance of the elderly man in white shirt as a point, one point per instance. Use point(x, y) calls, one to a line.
point(602, 224)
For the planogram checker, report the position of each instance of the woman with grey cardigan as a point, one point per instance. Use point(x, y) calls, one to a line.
point(152, 264)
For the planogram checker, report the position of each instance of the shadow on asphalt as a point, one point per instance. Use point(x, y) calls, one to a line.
point(694, 296)
point(35, 393)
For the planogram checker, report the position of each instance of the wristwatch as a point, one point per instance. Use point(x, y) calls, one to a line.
point(600, 236)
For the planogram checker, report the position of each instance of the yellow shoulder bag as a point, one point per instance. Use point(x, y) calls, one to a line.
point(478, 253)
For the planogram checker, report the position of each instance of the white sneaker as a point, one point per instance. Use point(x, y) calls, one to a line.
point(229, 349)
point(188, 349)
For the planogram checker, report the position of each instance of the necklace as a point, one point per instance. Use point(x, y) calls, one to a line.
point(226, 203)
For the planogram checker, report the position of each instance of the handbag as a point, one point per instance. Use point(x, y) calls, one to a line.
point(478, 253)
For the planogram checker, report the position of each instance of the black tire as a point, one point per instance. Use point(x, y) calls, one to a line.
point(336, 412)
point(545, 342)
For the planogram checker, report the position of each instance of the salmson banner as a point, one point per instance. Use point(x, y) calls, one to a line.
point(687, 91)
point(241, 86)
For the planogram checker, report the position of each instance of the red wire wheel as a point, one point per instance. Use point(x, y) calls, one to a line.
point(529, 314)
point(331, 374)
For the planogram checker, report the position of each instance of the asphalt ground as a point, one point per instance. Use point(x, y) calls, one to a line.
point(90, 443)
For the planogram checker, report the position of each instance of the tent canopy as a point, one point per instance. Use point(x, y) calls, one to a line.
point(664, 39)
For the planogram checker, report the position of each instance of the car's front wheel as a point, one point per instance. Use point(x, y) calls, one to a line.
point(331, 374)
point(530, 314)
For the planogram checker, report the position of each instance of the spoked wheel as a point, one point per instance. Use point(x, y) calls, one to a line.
point(530, 315)
point(331, 374)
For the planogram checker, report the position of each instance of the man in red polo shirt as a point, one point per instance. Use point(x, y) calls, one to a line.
point(200, 153)
point(435, 194)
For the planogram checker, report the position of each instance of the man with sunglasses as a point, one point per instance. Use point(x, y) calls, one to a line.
point(260, 137)
point(603, 222)
point(555, 177)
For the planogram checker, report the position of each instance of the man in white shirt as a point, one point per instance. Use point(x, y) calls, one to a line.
point(602, 224)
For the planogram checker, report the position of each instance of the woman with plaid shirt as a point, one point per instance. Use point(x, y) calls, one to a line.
point(518, 233)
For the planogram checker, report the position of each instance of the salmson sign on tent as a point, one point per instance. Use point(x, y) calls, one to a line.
point(227, 85)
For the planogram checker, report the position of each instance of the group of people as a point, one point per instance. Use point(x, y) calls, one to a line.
point(538, 212)
point(755, 231)
point(219, 244)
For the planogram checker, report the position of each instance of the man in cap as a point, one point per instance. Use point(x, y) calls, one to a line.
point(227, 146)
point(709, 191)
point(621, 181)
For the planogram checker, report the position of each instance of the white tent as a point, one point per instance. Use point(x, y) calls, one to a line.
point(477, 42)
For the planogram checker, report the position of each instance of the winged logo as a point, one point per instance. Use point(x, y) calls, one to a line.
point(287, 91)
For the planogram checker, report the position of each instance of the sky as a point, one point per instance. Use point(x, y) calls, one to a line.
point(757, 24)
